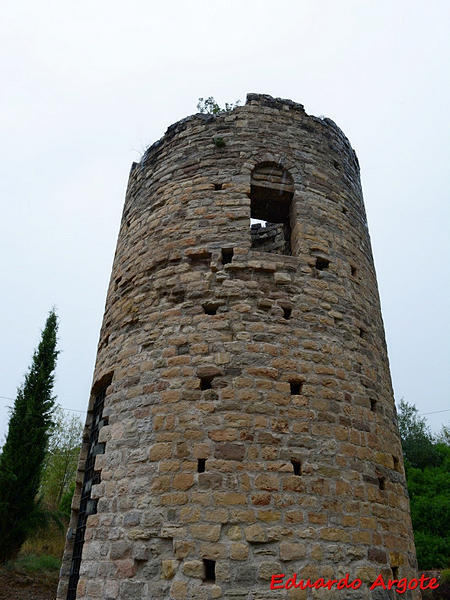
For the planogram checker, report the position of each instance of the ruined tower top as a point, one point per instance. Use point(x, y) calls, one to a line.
point(241, 422)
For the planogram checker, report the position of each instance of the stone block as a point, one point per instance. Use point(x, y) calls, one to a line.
point(208, 532)
point(194, 568)
point(238, 551)
point(229, 451)
point(255, 533)
point(292, 551)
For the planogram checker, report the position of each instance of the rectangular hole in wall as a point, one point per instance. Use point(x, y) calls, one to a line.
point(373, 405)
point(353, 270)
point(287, 311)
point(297, 466)
point(382, 483)
point(210, 308)
point(362, 332)
point(396, 462)
point(322, 263)
point(394, 572)
point(205, 382)
point(217, 186)
point(209, 569)
point(296, 387)
point(227, 255)
point(201, 465)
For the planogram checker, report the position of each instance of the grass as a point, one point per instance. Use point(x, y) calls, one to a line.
point(40, 554)
point(33, 563)
point(49, 542)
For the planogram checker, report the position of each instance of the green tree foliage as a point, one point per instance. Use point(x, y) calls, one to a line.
point(427, 465)
point(61, 461)
point(417, 440)
point(66, 501)
point(210, 106)
point(444, 435)
point(26, 444)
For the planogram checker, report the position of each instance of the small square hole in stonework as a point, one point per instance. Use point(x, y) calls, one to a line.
point(373, 405)
point(362, 332)
point(217, 186)
point(227, 255)
point(394, 572)
point(296, 387)
point(297, 466)
point(353, 270)
point(382, 483)
point(344, 210)
point(210, 308)
point(322, 263)
point(335, 164)
point(396, 462)
point(287, 311)
point(201, 465)
point(205, 382)
point(210, 569)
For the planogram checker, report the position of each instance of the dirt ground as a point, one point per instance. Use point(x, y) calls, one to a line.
point(18, 586)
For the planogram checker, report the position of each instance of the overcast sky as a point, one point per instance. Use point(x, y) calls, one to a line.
point(86, 86)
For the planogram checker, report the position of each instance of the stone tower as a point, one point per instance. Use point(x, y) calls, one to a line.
point(241, 422)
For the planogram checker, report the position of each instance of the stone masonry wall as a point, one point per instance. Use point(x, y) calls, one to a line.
point(268, 238)
point(265, 372)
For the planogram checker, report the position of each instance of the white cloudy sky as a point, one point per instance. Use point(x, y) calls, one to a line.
point(86, 86)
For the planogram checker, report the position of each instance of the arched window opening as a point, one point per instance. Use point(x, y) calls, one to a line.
point(271, 193)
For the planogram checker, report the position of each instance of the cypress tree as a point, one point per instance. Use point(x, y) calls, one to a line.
point(24, 451)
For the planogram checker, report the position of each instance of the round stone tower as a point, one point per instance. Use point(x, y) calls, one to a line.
point(242, 422)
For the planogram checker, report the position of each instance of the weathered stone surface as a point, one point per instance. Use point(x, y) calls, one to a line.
point(229, 451)
point(242, 389)
point(169, 568)
point(238, 551)
point(207, 532)
point(255, 533)
point(292, 551)
point(193, 568)
point(376, 555)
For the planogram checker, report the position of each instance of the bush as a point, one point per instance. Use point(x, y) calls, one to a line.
point(433, 551)
point(210, 106)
